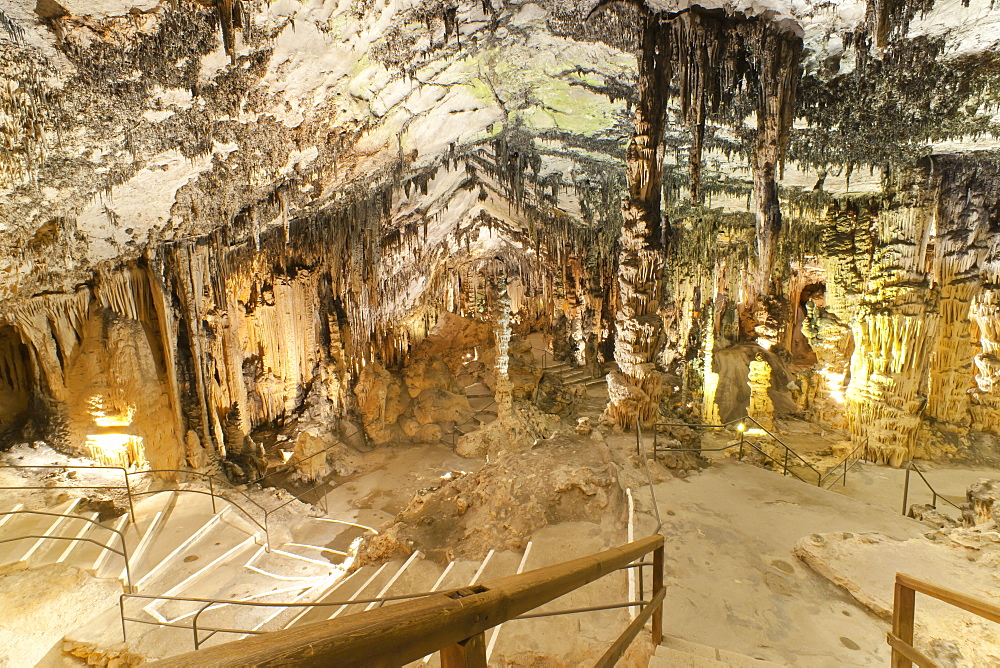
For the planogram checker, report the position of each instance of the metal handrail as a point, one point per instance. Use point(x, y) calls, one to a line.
point(131, 493)
point(211, 492)
point(843, 462)
point(123, 553)
point(454, 623)
point(788, 451)
point(220, 602)
point(910, 466)
point(289, 464)
point(475, 414)
point(125, 486)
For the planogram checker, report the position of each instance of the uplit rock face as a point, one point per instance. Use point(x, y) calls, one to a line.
point(984, 502)
point(894, 330)
point(761, 407)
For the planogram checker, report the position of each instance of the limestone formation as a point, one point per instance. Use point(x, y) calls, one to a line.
point(761, 406)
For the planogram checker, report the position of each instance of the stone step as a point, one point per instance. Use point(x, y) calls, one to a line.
point(679, 652)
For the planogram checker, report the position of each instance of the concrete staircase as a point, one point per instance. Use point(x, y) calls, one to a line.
point(574, 375)
point(181, 545)
point(679, 653)
point(484, 408)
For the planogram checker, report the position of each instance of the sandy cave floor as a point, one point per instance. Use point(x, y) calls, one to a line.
point(733, 582)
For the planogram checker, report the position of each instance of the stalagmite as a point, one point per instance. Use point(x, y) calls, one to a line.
point(761, 407)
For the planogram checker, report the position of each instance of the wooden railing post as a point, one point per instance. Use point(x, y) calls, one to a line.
point(902, 622)
point(470, 653)
point(657, 621)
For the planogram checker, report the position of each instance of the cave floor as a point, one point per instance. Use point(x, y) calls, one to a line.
point(883, 485)
point(394, 473)
point(733, 582)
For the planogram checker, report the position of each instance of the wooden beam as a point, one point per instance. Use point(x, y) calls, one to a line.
point(399, 634)
point(620, 646)
point(657, 589)
point(909, 652)
point(902, 622)
point(468, 654)
point(957, 599)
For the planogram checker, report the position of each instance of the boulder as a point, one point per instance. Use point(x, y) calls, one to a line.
point(983, 495)
point(437, 405)
point(429, 374)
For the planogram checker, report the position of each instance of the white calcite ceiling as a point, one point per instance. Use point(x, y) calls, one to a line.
point(155, 132)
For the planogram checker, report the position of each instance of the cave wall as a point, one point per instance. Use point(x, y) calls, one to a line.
point(907, 300)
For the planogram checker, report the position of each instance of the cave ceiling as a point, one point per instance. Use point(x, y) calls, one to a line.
point(126, 125)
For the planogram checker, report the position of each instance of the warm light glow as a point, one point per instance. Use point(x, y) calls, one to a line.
point(741, 427)
point(755, 432)
point(115, 449)
point(764, 343)
point(104, 418)
point(835, 383)
point(113, 420)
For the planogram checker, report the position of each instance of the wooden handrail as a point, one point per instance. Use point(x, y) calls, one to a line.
point(904, 655)
point(955, 598)
point(452, 623)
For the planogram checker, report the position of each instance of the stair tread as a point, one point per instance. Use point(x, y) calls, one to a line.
point(719, 656)
point(672, 658)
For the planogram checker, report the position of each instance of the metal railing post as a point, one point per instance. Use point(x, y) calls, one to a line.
point(742, 436)
point(657, 621)
point(128, 569)
point(128, 491)
point(121, 610)
point(784, 470)
point(211, 490)
point(906, 487)
point(194, 623)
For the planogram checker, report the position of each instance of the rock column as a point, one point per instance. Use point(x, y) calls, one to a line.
point(635, 390)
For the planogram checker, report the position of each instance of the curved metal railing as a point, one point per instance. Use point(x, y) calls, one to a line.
point(744, 443)
point(454, 622)
point(649, 478)
point(123, 553)
point(261, 519)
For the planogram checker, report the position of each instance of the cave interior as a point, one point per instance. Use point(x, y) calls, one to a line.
point(484, 277)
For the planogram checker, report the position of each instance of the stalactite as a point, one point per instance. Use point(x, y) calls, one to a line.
point(888, 17)
point(965, 195)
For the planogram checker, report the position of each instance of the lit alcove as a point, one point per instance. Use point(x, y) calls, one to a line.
point(111, 445)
